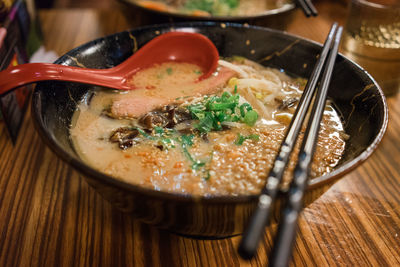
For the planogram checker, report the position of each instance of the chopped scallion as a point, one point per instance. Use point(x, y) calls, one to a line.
point(214, 110)
point(158, 130)
point(241, 138)
point(250, 118)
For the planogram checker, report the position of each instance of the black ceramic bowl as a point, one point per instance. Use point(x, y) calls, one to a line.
point(355, 94)
point(277, 18)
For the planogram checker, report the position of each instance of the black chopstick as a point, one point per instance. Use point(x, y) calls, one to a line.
point(282, 250)
point(308, 8)
point(260, 217)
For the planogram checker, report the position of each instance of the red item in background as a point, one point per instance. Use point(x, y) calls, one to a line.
point(12, 52)
point(23, 92)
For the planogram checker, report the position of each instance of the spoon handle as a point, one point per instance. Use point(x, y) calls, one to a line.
point(24, 74)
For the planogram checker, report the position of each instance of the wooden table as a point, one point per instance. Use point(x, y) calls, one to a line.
point(49, 216)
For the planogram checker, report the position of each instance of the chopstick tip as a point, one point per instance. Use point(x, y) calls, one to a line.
point(246, 255)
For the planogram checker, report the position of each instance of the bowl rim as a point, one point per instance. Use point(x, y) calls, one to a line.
point(287, 7)
point(185, 197)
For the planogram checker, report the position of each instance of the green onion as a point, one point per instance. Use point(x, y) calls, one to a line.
point(235, 118)
point(158, 130)
point(241, 138)
point(163, 138)
point(243, 108)
point(169, 71)
point(239, 141)
point(214, 7)
point(221, 106)
point(207, 177)
point(226, 95)
point(206, 123)
point(254, 137)
point(214, 110)
point(250, 118)
point(187, 139)
point(197, 165)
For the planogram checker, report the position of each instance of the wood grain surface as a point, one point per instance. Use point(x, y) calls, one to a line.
point(49, 216)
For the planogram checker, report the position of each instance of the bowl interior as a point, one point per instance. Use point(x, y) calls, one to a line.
point(357, 97)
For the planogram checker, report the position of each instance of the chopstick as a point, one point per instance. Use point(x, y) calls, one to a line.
point(260, 217)
point(287, 228)
point(307, 7)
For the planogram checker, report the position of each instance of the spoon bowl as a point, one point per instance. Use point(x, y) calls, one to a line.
point(185, 47)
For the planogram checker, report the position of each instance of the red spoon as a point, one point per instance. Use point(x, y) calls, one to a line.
point(173, 46)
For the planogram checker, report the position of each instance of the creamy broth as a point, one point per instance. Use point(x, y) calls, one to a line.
point(168, 145)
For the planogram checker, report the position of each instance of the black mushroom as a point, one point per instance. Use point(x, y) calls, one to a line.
point(124, 137)
point(166, 117)
point(153, 119)
point(177, 115)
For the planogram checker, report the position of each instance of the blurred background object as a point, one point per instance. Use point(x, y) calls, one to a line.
point(271, 13)
point(372, 39)
point(21, 39)
point(76, 3)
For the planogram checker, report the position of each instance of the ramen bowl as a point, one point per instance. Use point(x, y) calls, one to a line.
point(277, 18)
point(355, 94)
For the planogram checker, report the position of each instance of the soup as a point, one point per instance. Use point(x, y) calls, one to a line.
point(217, 136)
point(214, 8)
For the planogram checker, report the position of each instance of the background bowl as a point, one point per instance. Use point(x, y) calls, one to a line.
point(277, 18)
point(356, 95)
